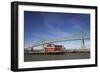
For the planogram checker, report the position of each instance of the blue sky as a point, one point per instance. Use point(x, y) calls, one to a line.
point(48, 25)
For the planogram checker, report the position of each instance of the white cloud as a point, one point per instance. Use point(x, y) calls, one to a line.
point(55, 31)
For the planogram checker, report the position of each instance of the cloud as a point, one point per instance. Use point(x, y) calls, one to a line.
point(55, 30)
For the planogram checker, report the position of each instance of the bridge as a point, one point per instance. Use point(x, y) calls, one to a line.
point(81, 37)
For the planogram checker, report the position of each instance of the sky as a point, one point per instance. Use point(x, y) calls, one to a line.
point(49, 25)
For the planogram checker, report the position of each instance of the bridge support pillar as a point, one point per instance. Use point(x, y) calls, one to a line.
point(82, 43)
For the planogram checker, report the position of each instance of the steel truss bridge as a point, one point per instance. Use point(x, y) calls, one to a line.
point(81, 37)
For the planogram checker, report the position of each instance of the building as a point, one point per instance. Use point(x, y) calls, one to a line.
point(51, 48)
